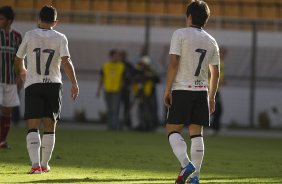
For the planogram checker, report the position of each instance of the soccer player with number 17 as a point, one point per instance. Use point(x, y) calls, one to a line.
point(188, 97)
point(46, 49)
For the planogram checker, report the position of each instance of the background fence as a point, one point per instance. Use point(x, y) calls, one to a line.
point(250, 30)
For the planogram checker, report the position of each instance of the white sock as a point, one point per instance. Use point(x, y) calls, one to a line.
point(179, 148)
point(197, 153)
point(48, 143)
point(33, 143)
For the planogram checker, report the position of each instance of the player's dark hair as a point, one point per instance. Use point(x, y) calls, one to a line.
point(48, 14)
point(7, 12)
point(199, 11)
point(113, 52)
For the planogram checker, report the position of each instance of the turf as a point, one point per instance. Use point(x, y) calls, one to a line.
point(89, 156)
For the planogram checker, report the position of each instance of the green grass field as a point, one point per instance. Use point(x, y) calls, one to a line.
point(88, 156)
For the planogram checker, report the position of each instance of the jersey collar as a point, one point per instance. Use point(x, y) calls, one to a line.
point(196, 27)
point(44, 29)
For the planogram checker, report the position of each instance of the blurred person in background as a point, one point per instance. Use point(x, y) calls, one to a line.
point(9, 83)
point(112, 75)
point(146, 79)
point(189, 98)
point(126, 90)
point(46, 50)
point(216, 116)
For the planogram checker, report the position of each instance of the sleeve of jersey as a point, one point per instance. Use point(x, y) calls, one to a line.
point(175, 44)
point(64, 49)
point(215, 59)
point(21, 52)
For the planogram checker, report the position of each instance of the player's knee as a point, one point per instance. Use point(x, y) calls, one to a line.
point(7, 111)
point(170, 128)
point(172, 132)
point(49, 128)
point(194, 136)
point(33, 130)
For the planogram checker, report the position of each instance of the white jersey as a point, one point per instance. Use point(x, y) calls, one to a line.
point(43, 49)
point(197, 50)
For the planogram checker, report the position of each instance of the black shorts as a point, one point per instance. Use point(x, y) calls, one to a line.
point(43, 100)
point(189, 107)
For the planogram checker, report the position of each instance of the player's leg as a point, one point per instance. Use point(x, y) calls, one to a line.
point(33, 142)
point(197, 149)
point(179, 113)
point(10, 99)
point(200, 118)
point(48, 143)
point(32, 115)
point(5, 126)
point(125, 102)
point(177, 143)
point(52, 110)
point(217, 113)
point(108, 100)
point(115, 110)
point(179, 148)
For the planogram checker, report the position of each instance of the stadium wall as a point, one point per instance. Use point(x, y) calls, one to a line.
point(90, 44)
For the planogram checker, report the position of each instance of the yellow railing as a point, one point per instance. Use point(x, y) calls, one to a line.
point(163, 12)
point(222, 8)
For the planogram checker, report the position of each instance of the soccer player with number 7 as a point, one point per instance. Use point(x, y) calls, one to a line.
point(45, 49)
point(188, 96)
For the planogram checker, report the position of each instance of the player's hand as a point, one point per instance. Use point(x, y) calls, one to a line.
point(74, 91)
point(211, 105)
point(167, 99)
point(19, 83)
point(98, 93)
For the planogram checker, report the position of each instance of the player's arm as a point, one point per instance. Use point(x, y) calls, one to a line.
point(214, 79)
point(69, 70)
point(20, 68)
point(171, 73)
point(100, 84)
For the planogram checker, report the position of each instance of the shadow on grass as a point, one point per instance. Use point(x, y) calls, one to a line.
point(235, 180)
point(90, 180)
point(241, 182)
point(148, 180)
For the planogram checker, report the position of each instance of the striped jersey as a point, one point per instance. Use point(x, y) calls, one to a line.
point(9, 44)
point(43, 49)
point(197, 50)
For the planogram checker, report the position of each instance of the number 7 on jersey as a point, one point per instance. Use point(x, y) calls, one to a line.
point(201, 59)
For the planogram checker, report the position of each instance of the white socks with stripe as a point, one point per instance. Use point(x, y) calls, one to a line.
point(179, 148)
point(197, 153)
point(48, 143)
point(33, 142)
point(33, 146)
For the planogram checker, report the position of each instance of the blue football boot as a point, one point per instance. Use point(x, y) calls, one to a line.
point(185, 172)
point(194, 180)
